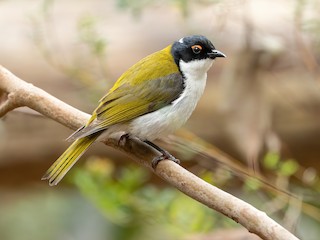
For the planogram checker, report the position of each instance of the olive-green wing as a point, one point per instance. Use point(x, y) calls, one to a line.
point(130, 101)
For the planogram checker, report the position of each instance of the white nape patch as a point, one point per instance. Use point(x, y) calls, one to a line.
point(167, 119)
point(181, 40)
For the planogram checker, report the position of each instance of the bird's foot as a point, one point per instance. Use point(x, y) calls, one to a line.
point(165, 156)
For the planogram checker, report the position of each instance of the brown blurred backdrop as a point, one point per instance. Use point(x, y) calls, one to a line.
point(263, 97)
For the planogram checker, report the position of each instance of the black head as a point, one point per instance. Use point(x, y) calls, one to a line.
point(195, 47)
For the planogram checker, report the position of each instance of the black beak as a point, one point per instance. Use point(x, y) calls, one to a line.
point(215, 53)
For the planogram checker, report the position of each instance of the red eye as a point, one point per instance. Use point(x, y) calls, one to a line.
point(196, 49)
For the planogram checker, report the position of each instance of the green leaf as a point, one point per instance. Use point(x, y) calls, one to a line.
point(271, 160)
point(252, 184)
point(289, 167)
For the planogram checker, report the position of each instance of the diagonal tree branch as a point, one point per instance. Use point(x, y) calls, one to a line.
point(14, 92)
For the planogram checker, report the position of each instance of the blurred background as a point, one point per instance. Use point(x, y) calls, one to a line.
point(255, 132)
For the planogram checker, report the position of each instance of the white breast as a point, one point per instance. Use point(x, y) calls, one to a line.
point(169, 118)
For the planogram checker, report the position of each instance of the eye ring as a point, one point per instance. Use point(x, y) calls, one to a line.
point(196, 49)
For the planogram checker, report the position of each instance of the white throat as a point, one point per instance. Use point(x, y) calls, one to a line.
point(195, 76)
point(195, 69)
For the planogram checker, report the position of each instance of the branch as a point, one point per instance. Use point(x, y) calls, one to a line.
point(20, 93)
point(15, 92)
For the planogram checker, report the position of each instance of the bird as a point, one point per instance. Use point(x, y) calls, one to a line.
point(153, 98)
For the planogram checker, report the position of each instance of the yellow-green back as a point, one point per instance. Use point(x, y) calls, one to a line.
point(148, 68)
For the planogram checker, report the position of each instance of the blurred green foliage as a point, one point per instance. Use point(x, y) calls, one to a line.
point(284, 167)
point(271, 160)
point(86, 63)
point(308, 24)
point(252, 184)
point(140, 209)
point(49, 214)
point(136, 6)
point(89, 35)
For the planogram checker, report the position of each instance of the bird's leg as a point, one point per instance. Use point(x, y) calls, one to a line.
point(165, 155)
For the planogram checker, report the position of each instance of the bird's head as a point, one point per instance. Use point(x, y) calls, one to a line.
point(194, 53)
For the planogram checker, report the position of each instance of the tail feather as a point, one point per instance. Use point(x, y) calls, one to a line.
point(64, 163)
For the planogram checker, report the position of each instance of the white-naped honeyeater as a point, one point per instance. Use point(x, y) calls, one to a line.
point(152, 98)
